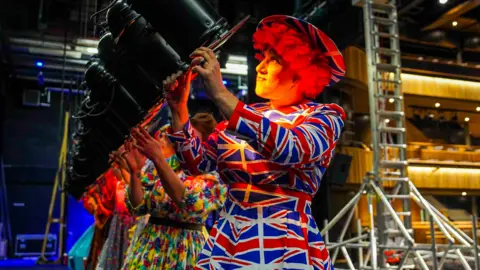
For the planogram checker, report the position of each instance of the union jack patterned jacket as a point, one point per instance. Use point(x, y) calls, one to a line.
point(273, 162)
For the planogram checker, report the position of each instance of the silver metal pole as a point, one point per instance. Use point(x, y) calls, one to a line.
point(434, 249)
point(474, 233)
point(463, 260)
point(448, 224)
point(326, 238)
point(367, 257)
point(344, 210)
point(348, 241)
point(444, 257)
point(405, 256)
point(373, 240)
point(347, 257)
point(395, 217)
point(360, 250)
point(425, 205)
point(420, 260)
point(343, 232)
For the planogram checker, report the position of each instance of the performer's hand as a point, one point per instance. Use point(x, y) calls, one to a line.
point(117, 173)
point(147, 145)
point(134, 158)
point(177, 89)
point(205, 63)
point(119, 160)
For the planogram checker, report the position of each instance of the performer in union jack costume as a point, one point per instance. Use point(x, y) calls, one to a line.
point(272, 155)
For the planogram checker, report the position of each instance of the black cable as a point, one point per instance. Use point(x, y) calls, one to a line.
point(103, 9)
point(108, 105)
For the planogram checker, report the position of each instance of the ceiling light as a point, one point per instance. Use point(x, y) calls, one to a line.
point(442, 1)
point(92, 50)
point(237, 58)
point(450, 62)
point(420, 58)
point(391, 100)
point(437, 105)
point(435, 60)
point(478, 109)
point(464, 193)
point(467, 119)
point(387, 121)
point(454, 23)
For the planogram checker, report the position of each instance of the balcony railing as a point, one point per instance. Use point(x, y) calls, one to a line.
point(452, 167)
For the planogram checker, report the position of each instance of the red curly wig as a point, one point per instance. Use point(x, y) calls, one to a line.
point(294, 48)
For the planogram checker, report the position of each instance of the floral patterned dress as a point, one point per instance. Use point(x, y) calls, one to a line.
point(166, 247)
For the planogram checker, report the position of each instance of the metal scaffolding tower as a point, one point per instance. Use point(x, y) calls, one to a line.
point(390, 230)
point(387, 122)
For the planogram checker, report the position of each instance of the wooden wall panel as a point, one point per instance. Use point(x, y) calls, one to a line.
point(421, 176)
point(355, 62)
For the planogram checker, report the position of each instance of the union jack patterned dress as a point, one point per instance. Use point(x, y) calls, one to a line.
point(273, 162)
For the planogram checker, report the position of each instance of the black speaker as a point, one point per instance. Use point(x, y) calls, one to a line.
point(337, 172)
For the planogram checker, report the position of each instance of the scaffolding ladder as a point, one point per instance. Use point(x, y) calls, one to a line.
point(387, 120)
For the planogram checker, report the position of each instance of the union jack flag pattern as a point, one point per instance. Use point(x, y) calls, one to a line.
point(273, 162)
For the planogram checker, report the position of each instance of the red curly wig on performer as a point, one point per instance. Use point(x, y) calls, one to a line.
point(308, 63)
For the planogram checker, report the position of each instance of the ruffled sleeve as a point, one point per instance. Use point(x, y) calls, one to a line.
point(196, 157)
point(148, 182)
point(203, 194)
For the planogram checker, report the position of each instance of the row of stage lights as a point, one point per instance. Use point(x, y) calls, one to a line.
point(141, 46)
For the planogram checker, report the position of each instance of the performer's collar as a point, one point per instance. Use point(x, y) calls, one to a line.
point(283, 107)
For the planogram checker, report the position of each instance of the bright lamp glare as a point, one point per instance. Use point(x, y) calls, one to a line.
point(442, 1)
point(236, 66)
point(92, 50)
point(39, 64)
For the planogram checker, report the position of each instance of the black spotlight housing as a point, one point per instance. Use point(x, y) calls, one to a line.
point(128, 72)
point(140, 39)
point(195, 23)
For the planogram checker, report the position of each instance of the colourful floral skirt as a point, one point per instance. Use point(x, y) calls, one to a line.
point(164, 247)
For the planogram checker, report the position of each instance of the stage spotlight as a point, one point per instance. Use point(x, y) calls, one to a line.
point(195, 17)
point(127, 71)
point(140, 39)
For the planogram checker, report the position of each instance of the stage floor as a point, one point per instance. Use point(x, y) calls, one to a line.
point(28, 264)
